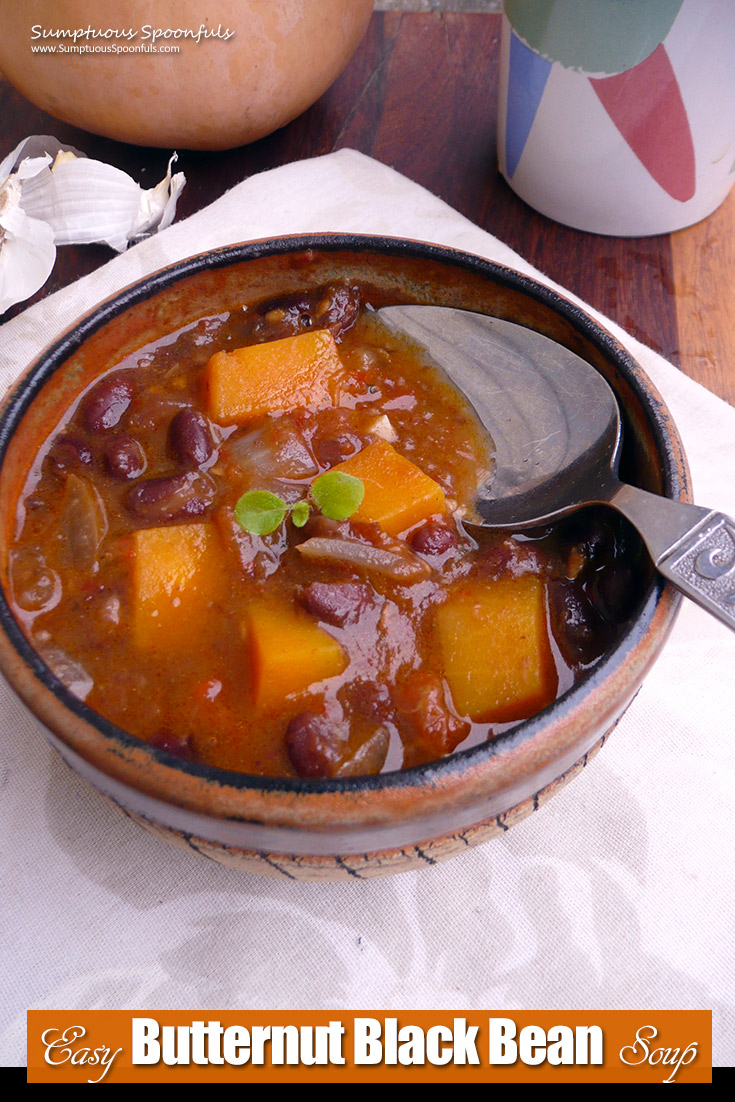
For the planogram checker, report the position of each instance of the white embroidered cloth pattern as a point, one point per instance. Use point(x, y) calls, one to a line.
point(620, 893)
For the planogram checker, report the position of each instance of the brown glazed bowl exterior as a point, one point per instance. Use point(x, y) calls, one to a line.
point(364, 826)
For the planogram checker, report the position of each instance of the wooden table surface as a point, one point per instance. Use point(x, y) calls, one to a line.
point(420, 94)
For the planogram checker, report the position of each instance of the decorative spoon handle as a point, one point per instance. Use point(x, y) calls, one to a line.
point(693, 548)
point(702, 566)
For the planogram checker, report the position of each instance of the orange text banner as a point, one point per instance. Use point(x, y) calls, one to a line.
point(128, 1046)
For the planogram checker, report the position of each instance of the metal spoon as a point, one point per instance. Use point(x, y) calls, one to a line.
point(555, 425)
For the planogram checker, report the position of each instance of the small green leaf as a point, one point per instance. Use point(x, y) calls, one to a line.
point(300, 513)
point(337, 494)
point(260, 512)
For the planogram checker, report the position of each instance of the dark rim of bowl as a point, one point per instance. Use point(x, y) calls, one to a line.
point(21, 395)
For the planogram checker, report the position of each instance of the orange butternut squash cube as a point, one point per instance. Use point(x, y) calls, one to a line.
point(288, 652)
point(175, 575)
point(397, 493)
point(494, 643)
point(245, 384)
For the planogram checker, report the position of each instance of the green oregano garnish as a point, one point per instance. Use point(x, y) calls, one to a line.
point(300, 513)
point(260, 512)
point(336, 494)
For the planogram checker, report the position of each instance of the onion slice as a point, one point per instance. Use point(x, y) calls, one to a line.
point(363, 556)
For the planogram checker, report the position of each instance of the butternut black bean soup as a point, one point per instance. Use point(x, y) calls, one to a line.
point(244, 544)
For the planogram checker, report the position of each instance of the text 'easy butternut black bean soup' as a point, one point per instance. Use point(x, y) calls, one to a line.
point(244, 544)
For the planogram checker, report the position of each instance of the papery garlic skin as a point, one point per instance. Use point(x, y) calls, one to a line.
point(87, 202)
point(157, 208)
point(51, 195)
point(27, 250)
point(42, 146)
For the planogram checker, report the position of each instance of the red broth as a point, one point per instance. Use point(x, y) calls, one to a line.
point(331, 646)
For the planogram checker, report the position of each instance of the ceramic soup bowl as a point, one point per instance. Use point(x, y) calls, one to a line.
point(350, 827)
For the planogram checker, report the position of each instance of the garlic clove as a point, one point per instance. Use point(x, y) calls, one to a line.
point(89, 202)
point(27, 250)
point(50, 194)
point(38, 146)
point(157, 208)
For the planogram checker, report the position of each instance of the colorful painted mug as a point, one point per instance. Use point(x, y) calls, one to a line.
point(618, 116)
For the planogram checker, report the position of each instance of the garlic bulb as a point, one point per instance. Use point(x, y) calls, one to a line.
point(51, 195)
point(27, 250)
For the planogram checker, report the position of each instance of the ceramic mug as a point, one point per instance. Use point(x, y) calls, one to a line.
point(618, 116)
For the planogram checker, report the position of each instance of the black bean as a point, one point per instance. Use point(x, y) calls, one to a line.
point(370, 700)
point(613, 592)
point(162, 499)
point(335, 449)
point(497, 559)
point(125, 458)
point(339, 603)
point(339, 309)
point(190, 438)
point(433, 538)
point(68, 452)
point(592, 536)
point(512, 557)
point(106, 402)
point(315, 746)
point(286, 316)
point(578, 630)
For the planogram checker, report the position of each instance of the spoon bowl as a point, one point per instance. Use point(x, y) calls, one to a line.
point(553, 421)
point(556, 432)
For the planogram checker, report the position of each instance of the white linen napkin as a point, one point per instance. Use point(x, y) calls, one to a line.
point(618, 894)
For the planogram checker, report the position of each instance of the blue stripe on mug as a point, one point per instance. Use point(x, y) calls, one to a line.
point(527, 76)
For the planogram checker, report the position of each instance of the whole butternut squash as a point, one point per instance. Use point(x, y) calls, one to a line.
point(243, 68)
